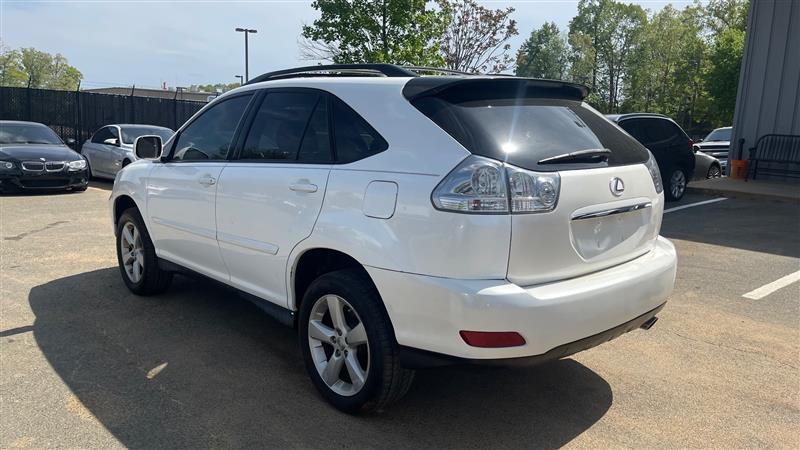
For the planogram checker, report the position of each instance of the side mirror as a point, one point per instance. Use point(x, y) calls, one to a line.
point(147, 147)
point(112, 141)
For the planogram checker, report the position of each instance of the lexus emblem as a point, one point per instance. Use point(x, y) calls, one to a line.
point(617, 186)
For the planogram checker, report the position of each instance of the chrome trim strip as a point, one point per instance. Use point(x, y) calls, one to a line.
point(613, 211)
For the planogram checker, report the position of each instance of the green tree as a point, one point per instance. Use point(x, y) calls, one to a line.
point(723, 76)
point(37, 69)
point(375, 31)
point(667, 73)
point(11, 73)
point(475, 39)
point(613, 30)
point(544, 54)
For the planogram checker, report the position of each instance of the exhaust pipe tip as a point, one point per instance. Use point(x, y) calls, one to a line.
point(649, 323)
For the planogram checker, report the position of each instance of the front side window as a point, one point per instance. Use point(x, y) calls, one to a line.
point(208, 138)
point(103, 134)
point(279, 126)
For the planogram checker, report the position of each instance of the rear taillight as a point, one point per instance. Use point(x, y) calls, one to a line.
point(655, 174)
point(485, 186)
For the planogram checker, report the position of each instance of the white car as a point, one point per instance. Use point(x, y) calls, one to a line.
point(111, 147)
point(401, 221)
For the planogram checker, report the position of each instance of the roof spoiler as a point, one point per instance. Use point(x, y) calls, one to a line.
point(491, 87)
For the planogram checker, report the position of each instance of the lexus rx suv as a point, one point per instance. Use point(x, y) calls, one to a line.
point(401, 221)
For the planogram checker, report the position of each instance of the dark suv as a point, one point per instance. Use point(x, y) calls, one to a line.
point(671, 146)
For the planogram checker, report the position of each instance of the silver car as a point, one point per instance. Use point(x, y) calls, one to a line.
point(111, 147)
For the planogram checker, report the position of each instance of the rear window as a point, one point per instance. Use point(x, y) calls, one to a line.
point(525, 131)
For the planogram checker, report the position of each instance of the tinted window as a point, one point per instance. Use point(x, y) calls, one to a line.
point(104, 133)
point(524, 131)
point(661, 130)
point(355, 138)
point(720, 134)
point(316, 146)
point(209, 136)
point(278, 127)
point(130, 133)
point(20, 133)
point(636, 129)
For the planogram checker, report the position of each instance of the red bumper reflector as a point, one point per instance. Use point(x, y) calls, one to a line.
point(492, 339)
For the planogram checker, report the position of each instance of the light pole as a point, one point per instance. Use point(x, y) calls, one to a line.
point(246, 31)
point(241, 79)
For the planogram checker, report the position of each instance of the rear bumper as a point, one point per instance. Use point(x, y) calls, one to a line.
point(556, 318)
point(414, 358)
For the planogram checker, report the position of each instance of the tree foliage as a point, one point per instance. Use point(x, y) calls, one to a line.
point(476, 37)
point(723, 74)
point(544, 54)
point(375, 31)
point(680, 62)
point(37, 69)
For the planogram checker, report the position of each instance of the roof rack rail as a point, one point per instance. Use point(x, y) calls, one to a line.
point(418, 69)
point(379, 70)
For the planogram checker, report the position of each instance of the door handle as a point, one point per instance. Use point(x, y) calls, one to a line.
point(207, 180)
point(303, 187)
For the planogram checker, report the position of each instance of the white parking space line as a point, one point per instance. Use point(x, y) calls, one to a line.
point(692, 205)
point(769, 288)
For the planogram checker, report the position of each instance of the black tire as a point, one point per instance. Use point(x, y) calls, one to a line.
point(153, 279)
point(125, 162)
point(673, 190)
point(714, 171)
point(386, 380)
point(79, 189)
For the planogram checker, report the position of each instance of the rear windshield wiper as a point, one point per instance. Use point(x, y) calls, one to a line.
point(592, 155)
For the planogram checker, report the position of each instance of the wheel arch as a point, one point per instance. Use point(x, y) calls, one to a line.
point(313, 262)
point(121, 203)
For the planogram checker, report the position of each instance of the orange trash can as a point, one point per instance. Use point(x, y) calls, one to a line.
point(738, 169)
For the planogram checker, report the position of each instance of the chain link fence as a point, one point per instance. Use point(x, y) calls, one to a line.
point(77, 114)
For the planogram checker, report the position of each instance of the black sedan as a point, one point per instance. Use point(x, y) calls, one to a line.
point(33, 157)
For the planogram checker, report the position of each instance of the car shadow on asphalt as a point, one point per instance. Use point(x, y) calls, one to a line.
point(200, 367)
point(760, 226)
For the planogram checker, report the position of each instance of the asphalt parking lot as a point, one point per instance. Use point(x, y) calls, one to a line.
point(84, 363)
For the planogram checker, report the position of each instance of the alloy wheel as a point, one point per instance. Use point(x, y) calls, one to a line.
point(132, 251)
point(714, 172)
point(677, 183)
point(339, 345)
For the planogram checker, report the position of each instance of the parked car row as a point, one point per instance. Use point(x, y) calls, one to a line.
point(33, 157)
point(111, 147)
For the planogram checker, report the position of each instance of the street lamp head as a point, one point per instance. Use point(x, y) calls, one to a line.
point(246, 30)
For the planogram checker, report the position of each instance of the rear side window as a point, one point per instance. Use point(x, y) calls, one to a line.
point(208, 138)
point(355, 138)
point(651, 131)
point(525, 131)
point(279, 125)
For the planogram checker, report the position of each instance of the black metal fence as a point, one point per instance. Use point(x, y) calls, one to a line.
point(77, 114)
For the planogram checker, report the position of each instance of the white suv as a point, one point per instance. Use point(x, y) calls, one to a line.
point(403, 221)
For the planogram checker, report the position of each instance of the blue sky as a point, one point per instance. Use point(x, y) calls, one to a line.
point(125, 42)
